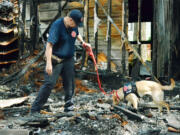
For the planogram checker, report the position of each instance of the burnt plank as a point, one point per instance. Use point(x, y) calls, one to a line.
point(47, 1)
point(130, 114)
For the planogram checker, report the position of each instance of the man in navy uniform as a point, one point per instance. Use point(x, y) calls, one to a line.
point(61, 45)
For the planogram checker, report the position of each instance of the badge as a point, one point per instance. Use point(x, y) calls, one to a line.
point(125, 88)
point(73, 34)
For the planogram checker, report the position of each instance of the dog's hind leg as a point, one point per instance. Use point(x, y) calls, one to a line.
point(158, 98)
point(162, 104)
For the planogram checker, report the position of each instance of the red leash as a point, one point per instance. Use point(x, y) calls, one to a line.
point(90, 53)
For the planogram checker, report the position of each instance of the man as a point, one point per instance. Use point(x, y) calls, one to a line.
point(60, 44)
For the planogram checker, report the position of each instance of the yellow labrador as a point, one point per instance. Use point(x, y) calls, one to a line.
point(144, 87)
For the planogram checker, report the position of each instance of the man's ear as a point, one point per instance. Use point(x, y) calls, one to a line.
point(70, 19)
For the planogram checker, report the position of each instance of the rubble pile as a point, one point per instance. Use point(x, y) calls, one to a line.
point(94, 114)
point(8, 33)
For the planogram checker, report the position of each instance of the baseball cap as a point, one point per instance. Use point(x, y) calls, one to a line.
point(77, 16)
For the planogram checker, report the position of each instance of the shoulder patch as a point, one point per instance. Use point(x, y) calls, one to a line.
point(73, 34)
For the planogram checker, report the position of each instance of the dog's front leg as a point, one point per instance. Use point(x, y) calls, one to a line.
point(115, 100)
point(134, 109)
point(135, 104)
point(133, 99)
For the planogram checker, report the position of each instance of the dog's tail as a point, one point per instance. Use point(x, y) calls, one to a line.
point(169, 87)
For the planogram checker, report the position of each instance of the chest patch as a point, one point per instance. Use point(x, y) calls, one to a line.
point(130, 88)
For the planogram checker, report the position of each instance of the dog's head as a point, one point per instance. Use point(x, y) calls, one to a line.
point(118, 96)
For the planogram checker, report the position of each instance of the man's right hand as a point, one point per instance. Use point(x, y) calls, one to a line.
point(49, 69)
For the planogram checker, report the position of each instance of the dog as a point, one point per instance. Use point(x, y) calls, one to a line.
point(144, 87)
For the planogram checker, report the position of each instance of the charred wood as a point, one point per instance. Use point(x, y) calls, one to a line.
point(6, 8)
point(48, 1)
point(16, 110)
point(15, 132)
point(130, 114)
point(22, 27)
point(150, 132)
point(171, 129)
point(17, 75)
point(1, 114)
point(37, 122)
point(58, 14)
point(173, 122)
point(153, 106)
point(34, 25)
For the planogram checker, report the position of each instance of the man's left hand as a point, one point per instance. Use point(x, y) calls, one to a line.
point(88, 48)
point(86, 45)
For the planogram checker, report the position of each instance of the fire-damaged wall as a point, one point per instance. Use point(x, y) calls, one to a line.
point(8, 37)
point(48, 11)
point(118, 16)
point(175, 40)
point(166, 40)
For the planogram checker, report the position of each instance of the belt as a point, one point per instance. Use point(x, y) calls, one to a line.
point(58, 60)
point(55, 58)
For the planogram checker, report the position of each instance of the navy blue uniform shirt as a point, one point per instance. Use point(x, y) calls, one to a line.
point(63, 39)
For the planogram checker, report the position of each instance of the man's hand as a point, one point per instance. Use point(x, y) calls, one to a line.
point(88, 48)
point(49, 69)
point(86, 45)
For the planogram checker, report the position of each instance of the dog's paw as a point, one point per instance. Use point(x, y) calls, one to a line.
point(134, 110)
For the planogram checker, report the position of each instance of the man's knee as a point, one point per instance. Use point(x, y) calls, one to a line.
point(49, 85)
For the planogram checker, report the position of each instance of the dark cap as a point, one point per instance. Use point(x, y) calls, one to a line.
point(77, 16)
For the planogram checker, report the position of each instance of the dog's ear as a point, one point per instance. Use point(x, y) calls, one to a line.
point(121, 93)
point(115, 101)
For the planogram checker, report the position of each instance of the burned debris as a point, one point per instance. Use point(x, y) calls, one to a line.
point(6, 8)
point(94, 114)
point(8, 34)
point(107, 26)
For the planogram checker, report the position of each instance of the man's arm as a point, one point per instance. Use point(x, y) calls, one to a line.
point(48, 55)
point(80, 39)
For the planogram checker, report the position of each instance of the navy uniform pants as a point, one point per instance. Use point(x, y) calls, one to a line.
point(66, 70)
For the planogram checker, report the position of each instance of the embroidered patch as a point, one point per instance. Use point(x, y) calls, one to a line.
point(130, 88)
point(127, 88)
point(73, 34)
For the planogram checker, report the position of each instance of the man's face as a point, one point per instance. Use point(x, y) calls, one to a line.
point(72, 23)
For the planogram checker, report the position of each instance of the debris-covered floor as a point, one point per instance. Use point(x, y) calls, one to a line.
point(94, 113)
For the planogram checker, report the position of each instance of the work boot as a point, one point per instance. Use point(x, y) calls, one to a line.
point(32, 116)
point(69, 106)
